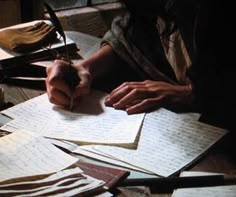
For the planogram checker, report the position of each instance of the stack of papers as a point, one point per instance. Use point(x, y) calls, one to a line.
point(168, 142)
point(67, 182)
point(31, 166)
point(24, 153)
point(159, 143)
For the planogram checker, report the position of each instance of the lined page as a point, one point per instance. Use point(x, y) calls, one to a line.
point(91, 121)
point(215, 191)
point(24, 153)
point(168, 142)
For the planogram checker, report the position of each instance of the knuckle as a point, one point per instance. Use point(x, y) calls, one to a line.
point(150, 102)
point(147, 101)
point(51, 98)
point(53, 91)
point(146, 81)
point(50, 81)
point(57, 62)
point(126, 89)
point(48, 69)
point(126, 84)
point(87, 75)
point(136, 92)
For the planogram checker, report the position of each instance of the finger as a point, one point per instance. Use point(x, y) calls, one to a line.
point(57, 67)
point(110, 100)
point(84, 85)
point(57, 83)
point(57, 97)
point(56, 74)
point(80, 91)
point(130, 98)
point(119, 93)
point(145, 106)
point(128, 84)
point(85, 79)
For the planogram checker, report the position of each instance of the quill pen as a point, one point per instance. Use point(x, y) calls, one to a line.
point(71, 76)
point(56, 22)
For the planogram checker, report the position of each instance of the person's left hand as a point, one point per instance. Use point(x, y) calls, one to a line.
point(138, 97)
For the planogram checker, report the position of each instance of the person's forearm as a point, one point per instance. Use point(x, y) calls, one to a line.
point(102, 61)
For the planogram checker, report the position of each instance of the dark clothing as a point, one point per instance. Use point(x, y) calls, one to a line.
point(206, 28)
point(213, 71)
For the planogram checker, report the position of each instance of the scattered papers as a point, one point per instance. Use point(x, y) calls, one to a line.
point(91, 121)
point(216, 191)
point(168, 143)
point(162, 142)
point(24, 153)
point(67, 182)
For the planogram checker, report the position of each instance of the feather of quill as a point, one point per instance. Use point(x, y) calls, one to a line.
point(55, 22)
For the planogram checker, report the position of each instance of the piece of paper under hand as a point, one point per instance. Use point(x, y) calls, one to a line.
point(216, 191)
point(168, 143)
point(24, 153)
point(91, 122)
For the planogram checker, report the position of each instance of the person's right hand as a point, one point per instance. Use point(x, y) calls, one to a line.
point(58, 90)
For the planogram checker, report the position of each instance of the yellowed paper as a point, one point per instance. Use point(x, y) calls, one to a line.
point(24, 153)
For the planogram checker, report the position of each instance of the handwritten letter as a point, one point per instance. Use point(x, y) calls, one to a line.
point(26, 154)
point(168, 142)
point(91, 122)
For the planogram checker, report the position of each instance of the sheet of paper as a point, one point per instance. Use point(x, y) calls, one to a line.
point(91, 182)
point(72, 189)
point(216, 191)
point(53, 177)
point(68, 182)
point(24, 153)
point(168, 143)
point(69, 146)
point(90, 122)
point(105, 194)
point(90, 152)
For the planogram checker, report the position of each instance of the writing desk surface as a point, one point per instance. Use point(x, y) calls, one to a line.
point(220, 158)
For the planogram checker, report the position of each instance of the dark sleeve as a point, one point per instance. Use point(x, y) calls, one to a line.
point(133, 39)
point(213, 70)
point(116, 37)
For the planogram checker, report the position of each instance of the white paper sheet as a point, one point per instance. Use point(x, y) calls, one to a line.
point(90, 152)
point(215, 191)
point(91, 122)
point(24, 153)
point(168, 142)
